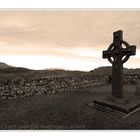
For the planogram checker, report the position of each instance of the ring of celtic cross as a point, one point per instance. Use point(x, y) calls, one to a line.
point(119, 53)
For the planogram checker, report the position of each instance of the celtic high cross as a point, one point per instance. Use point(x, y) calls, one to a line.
point(117, 54)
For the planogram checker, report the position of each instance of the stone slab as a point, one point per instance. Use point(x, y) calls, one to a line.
point(123, 105)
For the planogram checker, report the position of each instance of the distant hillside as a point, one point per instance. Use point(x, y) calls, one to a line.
point(108, 70)
point(14, 70)
point(57, 72)
point(102, 71)
point(4, 66)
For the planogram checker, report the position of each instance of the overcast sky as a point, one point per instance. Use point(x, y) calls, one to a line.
point(65, 39)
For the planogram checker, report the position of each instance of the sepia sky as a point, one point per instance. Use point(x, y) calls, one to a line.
point(72, 40)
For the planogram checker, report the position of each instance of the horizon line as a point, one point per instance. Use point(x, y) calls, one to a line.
point(61, 68)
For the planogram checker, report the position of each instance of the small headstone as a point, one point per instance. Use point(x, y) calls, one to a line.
point(137, 93)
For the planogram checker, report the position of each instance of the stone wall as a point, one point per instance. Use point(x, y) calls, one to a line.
point(131, 79)
point(23, 87)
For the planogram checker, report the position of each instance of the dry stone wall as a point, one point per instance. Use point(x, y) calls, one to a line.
point(23, 87)
point(131, 79)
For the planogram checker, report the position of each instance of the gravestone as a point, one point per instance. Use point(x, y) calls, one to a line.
point(137, 93)
point(117, 54)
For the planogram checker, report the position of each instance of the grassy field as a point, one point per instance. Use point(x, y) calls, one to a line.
point(59, 111)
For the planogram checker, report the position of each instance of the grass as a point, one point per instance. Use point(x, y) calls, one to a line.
point(58, 111)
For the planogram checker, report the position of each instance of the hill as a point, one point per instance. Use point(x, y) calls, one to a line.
point(7, 69)
point(108, 70)
point(4, 66)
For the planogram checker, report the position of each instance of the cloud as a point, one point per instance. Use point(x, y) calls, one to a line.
point(65, 34)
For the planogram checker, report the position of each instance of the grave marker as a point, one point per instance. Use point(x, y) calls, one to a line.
point(117, 54)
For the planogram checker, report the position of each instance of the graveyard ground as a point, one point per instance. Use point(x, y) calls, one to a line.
point(62, 111)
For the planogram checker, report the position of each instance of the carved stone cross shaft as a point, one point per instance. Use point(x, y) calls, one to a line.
point(117, 54)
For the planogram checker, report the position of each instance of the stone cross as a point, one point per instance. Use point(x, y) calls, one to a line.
point(117, 54)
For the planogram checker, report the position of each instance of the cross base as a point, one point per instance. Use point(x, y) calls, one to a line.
point(124, 105)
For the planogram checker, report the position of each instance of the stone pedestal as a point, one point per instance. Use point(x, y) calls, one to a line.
point(125, 105)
